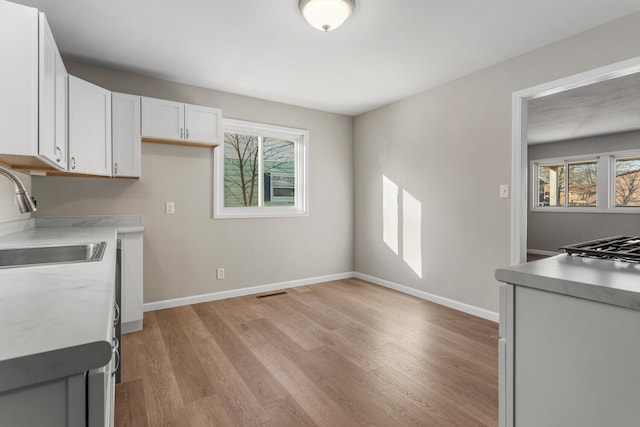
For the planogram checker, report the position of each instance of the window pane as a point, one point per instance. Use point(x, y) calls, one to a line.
point(551, 185)
point(240, 170)
point(279, 172)
point(583, 182)
point(628, 182)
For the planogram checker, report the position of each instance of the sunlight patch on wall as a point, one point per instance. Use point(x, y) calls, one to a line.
point(412, 232)
point(411, 225)
point(390, 214)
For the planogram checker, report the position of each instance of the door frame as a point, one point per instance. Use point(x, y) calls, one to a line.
point(519, 160)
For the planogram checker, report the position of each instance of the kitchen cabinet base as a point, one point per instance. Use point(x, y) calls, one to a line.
point(134, 326)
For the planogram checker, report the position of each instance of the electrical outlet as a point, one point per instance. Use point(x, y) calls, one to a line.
point(504, 191)
point(220, 273)
point(169, 208)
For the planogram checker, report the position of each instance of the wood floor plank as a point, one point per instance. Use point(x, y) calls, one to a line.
point(132, 348)
point(161, 392)
point(444, 409)
point(323, 319)
point(237, 310)
point(441, 374)
point(232, 393)
point(341, 353)
point(318, 364)
point(187, 367)
point(261, 383)
point(272, 308)
point(287, 413)
point(128, 413)
point(207, 412)
point(301, 329)
point(320, 408)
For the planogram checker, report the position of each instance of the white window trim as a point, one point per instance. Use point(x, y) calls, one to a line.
point(606, 183)
point(301, 174)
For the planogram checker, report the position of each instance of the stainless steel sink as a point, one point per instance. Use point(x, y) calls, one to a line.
point(54, 254)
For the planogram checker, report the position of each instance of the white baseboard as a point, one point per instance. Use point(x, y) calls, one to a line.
point(540, 252)
point(456, 305)
point(214, 296)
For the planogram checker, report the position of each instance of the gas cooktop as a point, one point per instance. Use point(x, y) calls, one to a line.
point(619, 248)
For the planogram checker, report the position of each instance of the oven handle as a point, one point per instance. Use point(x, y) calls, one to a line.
point(115, 345)
point(115, 369)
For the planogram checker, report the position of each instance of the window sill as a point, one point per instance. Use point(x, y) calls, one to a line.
point(588, 210)
point(258, 213)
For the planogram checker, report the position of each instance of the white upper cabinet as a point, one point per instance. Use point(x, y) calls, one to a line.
point(125, 135)
point(89, 128)
point(175, 121)
point(202, 124)
point(19, 82)
point(52, 139)
point(162, 119)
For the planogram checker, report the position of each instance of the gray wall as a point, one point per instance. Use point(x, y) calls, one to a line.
point(547, 231)
point(181, 252)
point(450, 147)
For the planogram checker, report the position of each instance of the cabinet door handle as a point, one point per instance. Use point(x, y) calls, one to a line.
point(115, 168)
point(73, 163)
point(58, 154)
point(181, 133)
point(187, 136)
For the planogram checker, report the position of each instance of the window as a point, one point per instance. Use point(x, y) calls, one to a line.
point(627, 182)
point(260, 171)
point(551, 185)
point(608, 182)
point(582, 184)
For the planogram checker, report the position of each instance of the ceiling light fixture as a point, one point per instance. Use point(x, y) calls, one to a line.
point(326, 15)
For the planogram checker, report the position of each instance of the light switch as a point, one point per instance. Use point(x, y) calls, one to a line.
point(504, 191)
point(169, 208)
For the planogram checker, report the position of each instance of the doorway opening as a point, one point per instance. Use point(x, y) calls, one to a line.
point(520, 162)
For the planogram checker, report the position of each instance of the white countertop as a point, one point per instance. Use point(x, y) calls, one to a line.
point(610, 282)
point(56, 320)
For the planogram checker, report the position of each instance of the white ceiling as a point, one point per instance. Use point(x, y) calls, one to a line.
point(602, 108)
point(389, 49)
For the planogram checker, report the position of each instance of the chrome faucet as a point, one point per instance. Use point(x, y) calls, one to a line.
point(26, 203)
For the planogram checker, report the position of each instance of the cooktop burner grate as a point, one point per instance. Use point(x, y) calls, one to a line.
point(619, 248)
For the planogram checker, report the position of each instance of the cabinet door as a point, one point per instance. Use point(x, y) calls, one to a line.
point(89, 128)
point(19, 82)
point(202, 124)
point(576, 362)
point(132, 280)
point(125, 130)
point(162, 119)
point(52, 141)
point(57, 403)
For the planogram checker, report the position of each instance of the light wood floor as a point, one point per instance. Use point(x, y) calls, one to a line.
point(343, 353)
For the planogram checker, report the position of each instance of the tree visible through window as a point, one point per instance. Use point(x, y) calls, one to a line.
point(628, 182)
point(244, 157)
point(605, 182)
point(583, 184)
point(240, 170)
point(261, 169)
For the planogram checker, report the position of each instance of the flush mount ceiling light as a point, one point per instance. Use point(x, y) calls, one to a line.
point(326, 15)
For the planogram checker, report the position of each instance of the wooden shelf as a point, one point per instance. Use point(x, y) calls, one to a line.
point(183, 143)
